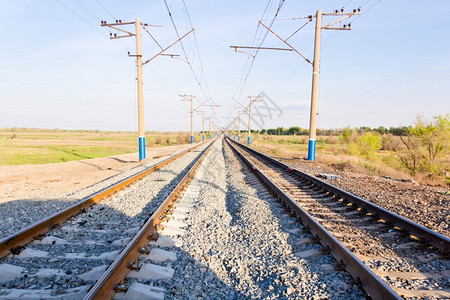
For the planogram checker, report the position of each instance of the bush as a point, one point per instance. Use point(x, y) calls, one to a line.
point(352, 149)
point(368, 144)
point(427, 145)
point(348, 135)
point(183, 138)
point(158, 140)
point(332, 140)
point(390, 142)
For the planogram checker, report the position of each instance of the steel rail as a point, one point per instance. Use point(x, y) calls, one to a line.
point(104, 288)
point(364, 276)
point(435, 239)
point(19, 239)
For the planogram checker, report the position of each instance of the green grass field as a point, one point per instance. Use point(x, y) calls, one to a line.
point(39, 146)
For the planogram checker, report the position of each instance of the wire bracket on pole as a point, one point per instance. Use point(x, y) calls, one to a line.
point(114, 26)
point(162, 51)
point(242, 105)
point(335, 13)
point(236, 50)
point(284, 41)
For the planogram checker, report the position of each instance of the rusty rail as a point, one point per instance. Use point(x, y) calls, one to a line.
point(435, 239)
point(19, 239)
point(369, 281)
point(116, 272)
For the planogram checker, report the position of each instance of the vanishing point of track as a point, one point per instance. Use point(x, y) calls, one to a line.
point(372, 244)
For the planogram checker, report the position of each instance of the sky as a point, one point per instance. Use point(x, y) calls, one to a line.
point(60, 69)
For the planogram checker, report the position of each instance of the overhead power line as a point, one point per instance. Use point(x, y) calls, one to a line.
point(105, 9)
point(184, 51)
point(244, 82)
point(198, 50)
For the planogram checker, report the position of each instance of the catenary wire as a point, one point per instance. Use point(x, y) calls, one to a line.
point(198, 49)
point(184, 51)
point(280, 5)
point(105, 8)
point(86, 9)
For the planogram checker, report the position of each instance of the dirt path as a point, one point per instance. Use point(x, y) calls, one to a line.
point(53, 181)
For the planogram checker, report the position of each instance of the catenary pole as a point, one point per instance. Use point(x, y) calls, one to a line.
point(192, 120)
point(190, 98)
point(139, 64)
point(249, 120)
point(239, 127)
point(141, 130)
point(314, 91)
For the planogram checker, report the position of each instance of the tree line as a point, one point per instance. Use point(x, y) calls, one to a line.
point(294, 130)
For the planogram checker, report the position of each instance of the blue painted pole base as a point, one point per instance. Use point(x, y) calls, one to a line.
point(312, 150)
point(248, 140)
point(203, 138)
point(192, 139)
point(142, 147)
point(239, 137)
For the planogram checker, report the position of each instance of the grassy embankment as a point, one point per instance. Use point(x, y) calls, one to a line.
point(40, 146)
point(331, 150)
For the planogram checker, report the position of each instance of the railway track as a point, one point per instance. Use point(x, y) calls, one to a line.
point(86, 250)
point(387, 255)
point(234, 240)
point(224, 234)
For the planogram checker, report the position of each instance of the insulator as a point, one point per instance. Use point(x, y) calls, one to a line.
point(349, 25)
point(359, 9)
point(310, 17)
point(345, 26)
point(110, 34)
point(336, 11)
point(115, 34)
point(128, 52)
point(342, 9)
point(117, 21)
point(354, 10)
point(120, 21)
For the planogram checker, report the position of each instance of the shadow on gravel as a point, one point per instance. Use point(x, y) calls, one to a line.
point(388, 242)
point(99, 232)
point(332, 284)
point(19, 214)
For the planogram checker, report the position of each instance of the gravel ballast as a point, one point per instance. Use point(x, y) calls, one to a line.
point(87, 243)
point(18, 214)
point(428, 206)
point(240, 244)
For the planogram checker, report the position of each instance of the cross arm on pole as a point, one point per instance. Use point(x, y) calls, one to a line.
point(245, 108)
point(114, 26)
point(284, 41)
point(186, 97)
point(345, 16)
point(204, 104)
point(256, 98)
point(162, 51)
point(259, 48)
